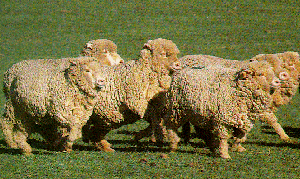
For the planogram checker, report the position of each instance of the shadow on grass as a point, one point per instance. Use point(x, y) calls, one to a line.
point(33, 143)
point(271, 144)
point(290, 131)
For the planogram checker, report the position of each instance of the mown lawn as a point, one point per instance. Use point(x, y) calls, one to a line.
point(234, 30)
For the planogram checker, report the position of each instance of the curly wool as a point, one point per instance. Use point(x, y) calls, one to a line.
point(105, 51)
point(131, 86)
point(284, 62)
point(219, 99)
point(46, 92)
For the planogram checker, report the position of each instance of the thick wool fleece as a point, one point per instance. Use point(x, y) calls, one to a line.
point(48, 93)
point(219, 100)
point(129, 89)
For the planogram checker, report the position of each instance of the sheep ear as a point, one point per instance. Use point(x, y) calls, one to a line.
point(73, 62)
point(243, 75)
point(145, 54)
point(147, 45)
point(89, 45)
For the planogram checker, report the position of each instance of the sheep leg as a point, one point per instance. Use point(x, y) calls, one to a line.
point(104, 146)
point(272, 121)
point(98, 139)
point(21, 140)
point(7, 124)
point(280, 131)
point(239, 137)
point(219, 142)
point(75, 133)
point(173, 139)
point(52, 137)
point(7, 129)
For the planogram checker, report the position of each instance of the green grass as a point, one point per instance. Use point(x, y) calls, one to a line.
point(234, 29)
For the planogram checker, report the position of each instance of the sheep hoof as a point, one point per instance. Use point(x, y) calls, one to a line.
point(225, 156)
point(290, 141)
point(108, 150)
point(27, 154)
point(153, 139)
point(238, 149)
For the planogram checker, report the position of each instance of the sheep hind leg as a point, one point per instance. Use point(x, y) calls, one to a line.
point(98, 139)
point(239, 137)
point(7, 129)
point(173, 139)
point(21, 140)
point(74, 134)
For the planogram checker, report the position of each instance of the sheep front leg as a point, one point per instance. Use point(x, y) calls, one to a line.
point(271, 120)
point(219, 142)
point(74, 134)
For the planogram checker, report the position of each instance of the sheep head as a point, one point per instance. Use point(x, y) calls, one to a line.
point(105, 51)
point(86, 73)
point(262, 74)
point(162, 55)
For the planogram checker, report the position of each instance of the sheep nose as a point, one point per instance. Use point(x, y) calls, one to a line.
point(284, 76)
point(100, 82)
point(176, 66)
point(276, 83)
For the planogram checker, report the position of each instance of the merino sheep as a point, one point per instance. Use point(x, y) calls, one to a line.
point(105, 51)
point(199, 61)
point(130, 86)
point(286, 67)
point(44, 95)
point(220, 100)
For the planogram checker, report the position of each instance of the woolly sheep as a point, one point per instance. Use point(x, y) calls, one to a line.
point(105, 51)
point(286, 67)
point(199, 61)
point(220, 100)
point(44, 95)
point(130, 86)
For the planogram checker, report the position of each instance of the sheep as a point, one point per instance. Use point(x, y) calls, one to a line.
point(130, 86)
point(286, 67)
point(103, 50)
point(199, 61)
point(221, 100)
point(44, 94)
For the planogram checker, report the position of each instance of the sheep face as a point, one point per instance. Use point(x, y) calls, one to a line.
point(262, 73)
point(93, 75)
point(163, 54)
point(105, 51)
point(87, 74)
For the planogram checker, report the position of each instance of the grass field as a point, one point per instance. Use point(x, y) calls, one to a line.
point(234, 29)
